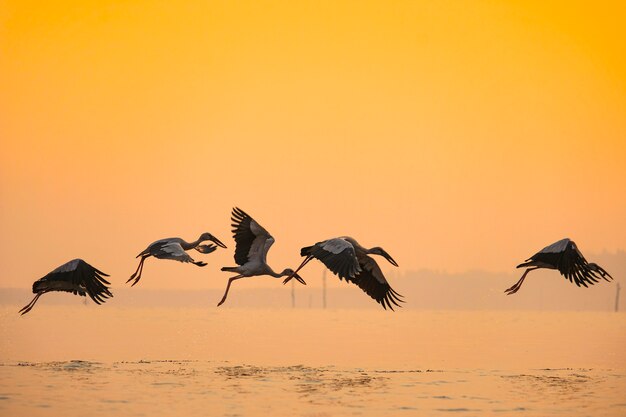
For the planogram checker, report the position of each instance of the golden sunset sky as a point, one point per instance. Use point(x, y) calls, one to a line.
point(456, 134)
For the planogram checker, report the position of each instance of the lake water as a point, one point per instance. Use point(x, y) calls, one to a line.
point(85, 360)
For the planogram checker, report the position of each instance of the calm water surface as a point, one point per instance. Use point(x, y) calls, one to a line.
point(81, 360)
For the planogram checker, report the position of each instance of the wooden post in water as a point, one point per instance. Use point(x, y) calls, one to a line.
point(324, 288)
point(617, 297)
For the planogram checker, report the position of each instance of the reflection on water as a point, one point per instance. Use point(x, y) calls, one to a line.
point(311, 363)
point(163, 387)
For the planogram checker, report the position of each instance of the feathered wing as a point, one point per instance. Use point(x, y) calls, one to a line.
point(85, 279)
point(564, 256)
point(75, 276)
point(154, 249)
point(170, 250)
point(252, 240)
point(575, 267)
point(337, 254)
point(372, 281)
point(93, 281)
point(550, 256)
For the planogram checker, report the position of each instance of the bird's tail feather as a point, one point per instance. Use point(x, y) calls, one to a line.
point(229, 268)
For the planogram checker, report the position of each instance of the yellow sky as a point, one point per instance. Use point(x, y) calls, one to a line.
point(456, 135)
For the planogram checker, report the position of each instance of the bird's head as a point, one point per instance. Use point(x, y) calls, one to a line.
point(290, 273)
point(380, 251)
point(209, 236)
point(40, 285)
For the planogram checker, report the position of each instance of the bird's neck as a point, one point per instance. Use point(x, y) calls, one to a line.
point(357, 246)
point(190, 245)
point(272, 273)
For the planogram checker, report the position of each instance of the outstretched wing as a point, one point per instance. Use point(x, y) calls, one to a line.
point(252, 240)
point(93, 281)
point(549, 257)
point(81, 277)
point(75, 276)
point(337, 254)
point(569, 261)
point(575, 267)
point(372, 281)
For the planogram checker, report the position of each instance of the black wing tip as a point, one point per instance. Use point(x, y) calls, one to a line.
point(603, 273)
point(104, 281)
point(101, 296)
point(391, 298)
point(390, 302)
point(101, 273)
point(586, 274)
point(239, 212)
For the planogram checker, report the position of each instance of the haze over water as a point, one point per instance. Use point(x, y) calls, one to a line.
point(191, 361)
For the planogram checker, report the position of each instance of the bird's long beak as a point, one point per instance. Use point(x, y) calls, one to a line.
point(295, 274)
point(299, 278)
point(218, 243)
point(390, 259)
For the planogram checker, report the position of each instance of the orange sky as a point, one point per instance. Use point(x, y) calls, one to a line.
point(455, 135)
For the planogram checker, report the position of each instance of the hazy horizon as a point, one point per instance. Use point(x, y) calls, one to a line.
point(424, 289)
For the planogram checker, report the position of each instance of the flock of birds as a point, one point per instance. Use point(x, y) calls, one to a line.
point(343, 256)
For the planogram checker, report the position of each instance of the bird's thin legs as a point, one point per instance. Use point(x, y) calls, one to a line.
point(143, 258)
point(138, 271)
point(30, 305)
point(230, 280)
point(306, 261)
point(518, 284)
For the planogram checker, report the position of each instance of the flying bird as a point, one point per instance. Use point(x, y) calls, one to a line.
point(347, 259)
point(567, 259)
point(174, 248)
point(252, 244)
point(75, 276)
